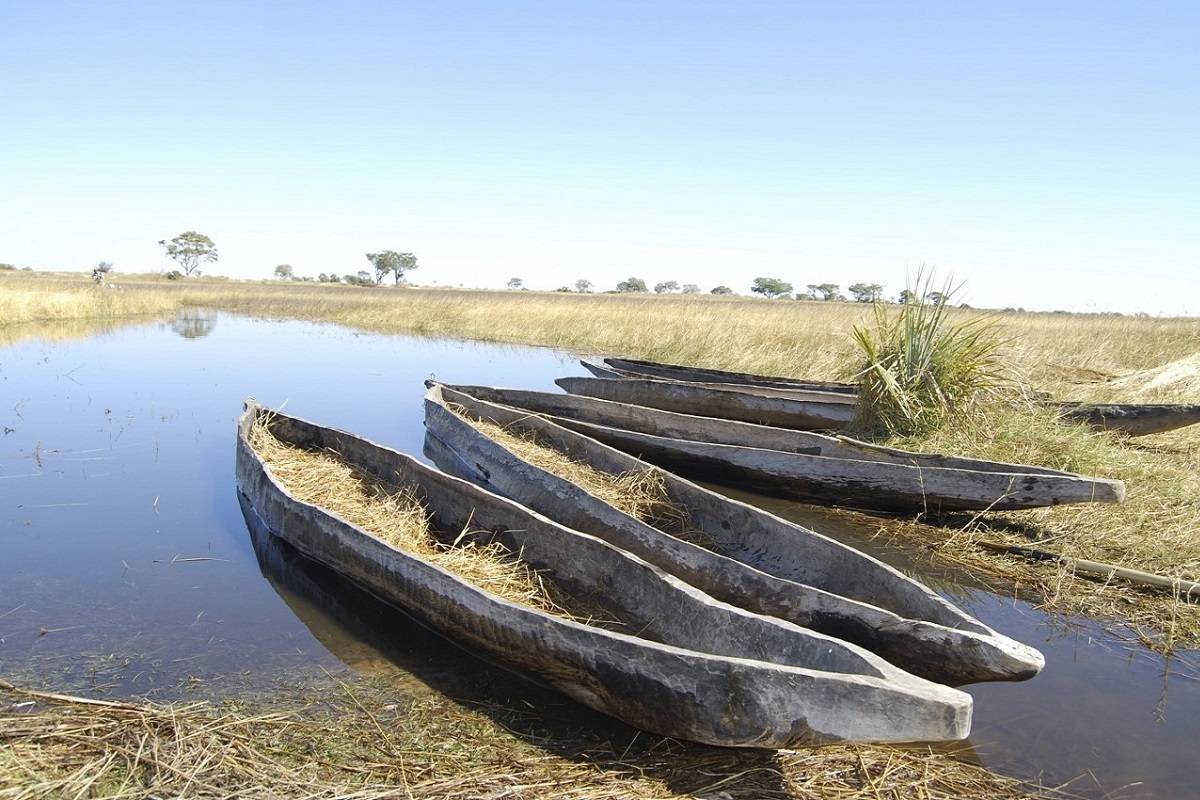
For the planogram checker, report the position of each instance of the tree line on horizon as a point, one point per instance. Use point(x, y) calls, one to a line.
point(190, 250)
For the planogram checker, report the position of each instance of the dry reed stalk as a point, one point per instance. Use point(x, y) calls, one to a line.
point(642, 495)
point(372, 744)
point(398, 517)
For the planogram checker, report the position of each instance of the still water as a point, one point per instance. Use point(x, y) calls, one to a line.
point(126, 566)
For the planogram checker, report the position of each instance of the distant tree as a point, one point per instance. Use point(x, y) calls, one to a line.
point(6, 267)
point(566, 289)
point(805, 296)
point(770, 287)
point(515, 283)
point(691, 288)
point(666, 287)
point(406, 263)
point(721, 290)
point(866, 292)
point(632, 285)
point(174, 275)
point(906, 296)
point(937, 298)
point(190, 250)
point(101, 272)
point(284, 272)
point(827, 291)
point(583, 286)
point(390, 262)
point(322, 278)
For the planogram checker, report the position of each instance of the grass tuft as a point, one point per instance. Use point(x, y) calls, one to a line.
point(919, 367)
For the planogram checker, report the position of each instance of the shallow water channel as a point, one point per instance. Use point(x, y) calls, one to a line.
point(126, 566)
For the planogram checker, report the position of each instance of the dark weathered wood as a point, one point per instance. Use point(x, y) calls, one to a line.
point(751, 558)
point(1132, 419)
point(797, 391)
point(808, 466)
point(691, 667)
point(1180, 587)
point(676, 372)
point(710, 401)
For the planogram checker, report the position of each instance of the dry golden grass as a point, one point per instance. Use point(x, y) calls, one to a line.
point(363, 743)
point(1092, 358)
point(397, 516)
point(639, 494)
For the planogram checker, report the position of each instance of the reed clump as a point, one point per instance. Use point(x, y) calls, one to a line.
point(365, 742)
point(398, 517)
point(918, 367)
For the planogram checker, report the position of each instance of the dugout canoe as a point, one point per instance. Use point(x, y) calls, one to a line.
point(724, 402)
point(629, 367)
point(794, 392)
point(808, 466)
point(689, 666)
point(750, 558)
point(1132, 419)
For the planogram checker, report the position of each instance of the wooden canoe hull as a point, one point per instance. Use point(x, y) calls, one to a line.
point(724, 695)
point(859, 484)
point(1133, 419)
point(807, 466)
point(745, 406)
point(757, 560)
point(805, 392)
point(676, 372)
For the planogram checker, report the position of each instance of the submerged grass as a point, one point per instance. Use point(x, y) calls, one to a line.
point(364, 742)
point(398, 517)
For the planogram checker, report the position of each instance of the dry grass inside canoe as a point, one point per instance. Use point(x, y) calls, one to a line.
point(642, 495)
point(397, 517)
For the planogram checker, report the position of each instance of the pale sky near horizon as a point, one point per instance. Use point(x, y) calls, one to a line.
point(1043, 153)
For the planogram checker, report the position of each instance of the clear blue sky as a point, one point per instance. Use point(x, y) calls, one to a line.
point(1046, 153)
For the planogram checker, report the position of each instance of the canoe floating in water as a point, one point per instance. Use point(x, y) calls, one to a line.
point(1130, 419)
point(1133, 419)
point(629, 367)
point(724, 402)
point(742, 555)
point(690, 667)
point(807, 466)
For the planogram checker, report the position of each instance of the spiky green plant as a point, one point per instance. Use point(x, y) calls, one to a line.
point(918, 367)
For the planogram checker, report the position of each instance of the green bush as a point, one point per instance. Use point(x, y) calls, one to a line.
point(918, 368)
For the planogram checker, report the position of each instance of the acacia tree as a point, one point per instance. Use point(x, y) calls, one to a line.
point(515, 283)
point(691, 288)
point(389, 261)
point(632, 285)
point(770, 287)
point(284, 272)
point(827, 291)
point(190, 250)
point(866, 292)
point(666, 287)
point(721, 290)
point(907, 296)
point(583, 286)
